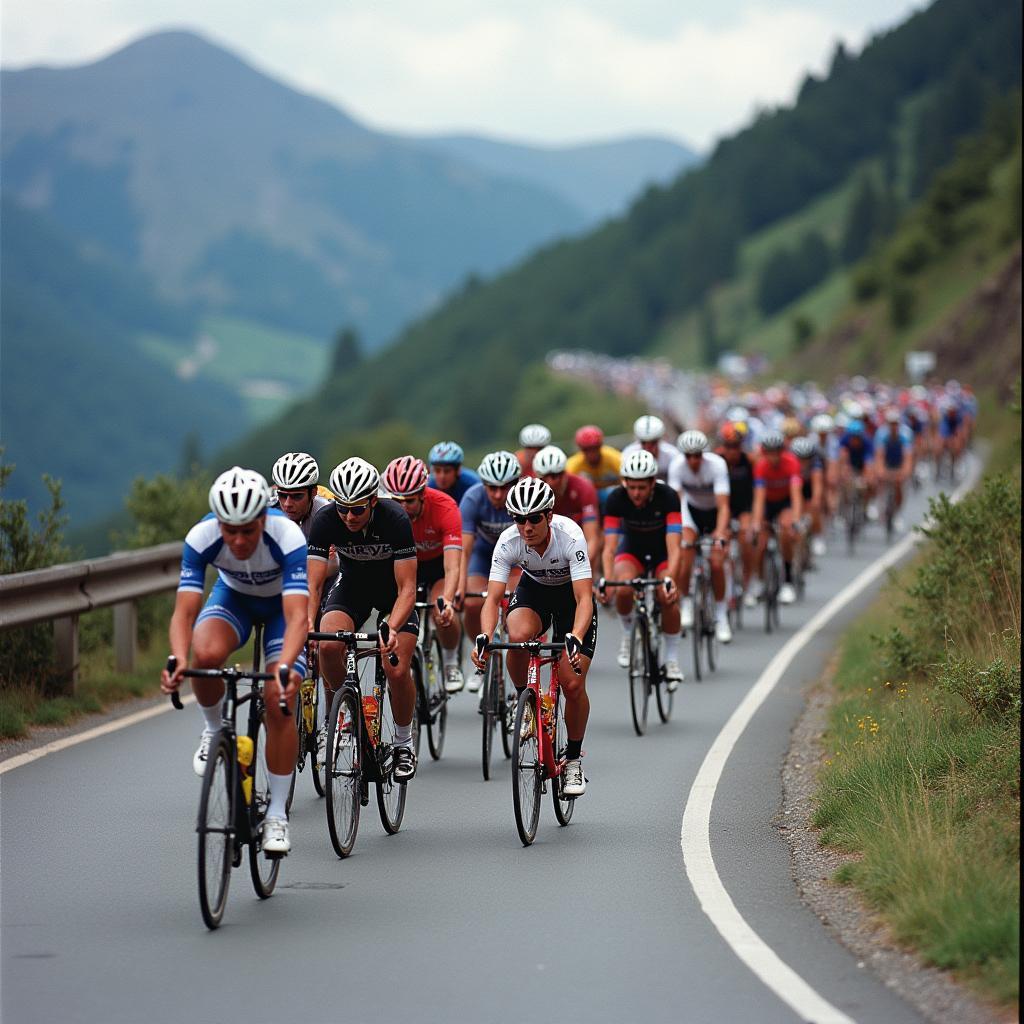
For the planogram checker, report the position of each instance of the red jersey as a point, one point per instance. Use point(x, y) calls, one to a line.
point(525, 461)
point(439, 526)
point(578, 501)
point(776, 479)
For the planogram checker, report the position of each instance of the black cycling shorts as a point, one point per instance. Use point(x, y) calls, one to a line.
point(357, 594)
point(705, 519)
point(773, 508)
point(556, 606)
point(429, 572)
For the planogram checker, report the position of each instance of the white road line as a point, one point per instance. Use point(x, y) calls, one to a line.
point(695, 834)
point(90, 734)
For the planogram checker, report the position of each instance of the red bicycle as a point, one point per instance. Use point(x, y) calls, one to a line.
point(539, 738)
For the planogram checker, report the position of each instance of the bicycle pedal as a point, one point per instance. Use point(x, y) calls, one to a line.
point(236, 857)
point(274, 856)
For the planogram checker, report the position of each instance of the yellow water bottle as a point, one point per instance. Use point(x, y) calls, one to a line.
point(371, 707)
point(308, 711)
point(245, 752)
point(547, 703)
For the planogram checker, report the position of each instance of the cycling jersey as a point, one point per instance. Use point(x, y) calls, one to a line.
point(578, 501)
point(893, 443)
point(564, 559)
point(668, 458)
point(481, 518)
point(775, 480)
point(949, 425)
point(387, 537)
point(701, 488)
point(741, 485)
point(526, 461)
point(319, 501)
point(463, 482)
point(604, 474)
point(644, 529)
point(438, 527)
point(277, 566)
point(807, 468)
point(859, 455)
point(556, 609)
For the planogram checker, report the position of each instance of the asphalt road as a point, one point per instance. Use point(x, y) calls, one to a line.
point(451, 920)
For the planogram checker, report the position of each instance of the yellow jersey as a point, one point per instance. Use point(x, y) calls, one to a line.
point(605, 473)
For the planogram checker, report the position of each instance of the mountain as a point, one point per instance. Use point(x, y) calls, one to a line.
point(601, 178)
point(242, 196)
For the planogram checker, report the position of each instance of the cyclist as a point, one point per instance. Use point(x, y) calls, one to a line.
point(856, 459)
point(556, 590)
point(532, 438)
point(437, 531)
point(447, 472)
point(741, 498)
point(575, 496)
point(812, 473)
point(373, 537)
point(649, 432)
point(778, 496)
point(951, 432)
point(260, 558)
point(703, 483)
point(598, 462)
point(645, 516)
point(297, 492)
point(894, 442)
point(484, 520)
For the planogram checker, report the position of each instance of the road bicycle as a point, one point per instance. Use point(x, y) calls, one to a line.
point(235, 791)
point(539, 738)
point(853, 510)
point(801, 564)
point(735, 577)
point(497, 695)
point(771, 576)
point(646, 672)
point(360, 743)
point(888, 504)
point(310, 715)
point(428, 676)
point(704, 640)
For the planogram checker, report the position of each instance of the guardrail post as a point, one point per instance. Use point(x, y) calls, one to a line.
point(126, 631)
point(65, 642)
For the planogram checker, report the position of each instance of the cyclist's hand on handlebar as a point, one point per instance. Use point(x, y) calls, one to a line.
point(573, 650)
point(601, 592)
point(458, 602)
point(479, 653)
point(671, 590)
point(390, 645)
point(170, 681)
point(446, 613)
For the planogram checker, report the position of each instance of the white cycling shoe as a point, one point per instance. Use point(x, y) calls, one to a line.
point(200, 757)
point(475, 681)
point(818, 547)
point(574, 782)
point(787, 593)
point(276, 840)
point(623, 656)
point(723, 631)
point(673, 676)
point(453, 679)
point(686, 611)
point(749, 599)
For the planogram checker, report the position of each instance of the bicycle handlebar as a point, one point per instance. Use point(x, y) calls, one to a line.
point(228, 672)
point(348, 636)
point(534, 646)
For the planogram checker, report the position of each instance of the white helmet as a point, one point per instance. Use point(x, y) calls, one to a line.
point(528, 496)
point(649, 428)
point(803, 447)
point(822, 423)
point(641, 465)
point(737, 414)
point(239, 496)
point(549, 460)
point(499, 468)
point(296, 469)
point(693, 442)
point(354, 481)
point(534, 435)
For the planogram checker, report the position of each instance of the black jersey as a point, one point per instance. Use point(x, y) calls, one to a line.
point(644, 528)
point(386, 538)
point(741, 485)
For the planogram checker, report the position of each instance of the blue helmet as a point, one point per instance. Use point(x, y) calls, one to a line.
point(446, 453)
point(855, 428)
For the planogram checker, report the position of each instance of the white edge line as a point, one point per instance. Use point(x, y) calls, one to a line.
point(695, 832)
point(90, 734)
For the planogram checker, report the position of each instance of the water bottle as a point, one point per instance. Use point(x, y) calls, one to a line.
point(308, 691)
point(371, 707)
point(547, 705)
point(245, 752)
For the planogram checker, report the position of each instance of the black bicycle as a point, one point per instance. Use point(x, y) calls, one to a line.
point(428, 676)
point(361, 743)
point(310, 712)
point(497, 694)
point(771, 571)
point(705, 641)
point(235, 791)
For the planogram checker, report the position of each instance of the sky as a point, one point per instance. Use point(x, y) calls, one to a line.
point(545, 71)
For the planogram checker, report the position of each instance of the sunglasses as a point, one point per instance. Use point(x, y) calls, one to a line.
point(351, 510)
point(290, 495)
point(408, 500)
point(534, 518)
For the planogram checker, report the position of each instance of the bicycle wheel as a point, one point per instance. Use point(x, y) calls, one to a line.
point(507, 716)
point(771, 589)
point(317, 745)
point(343, 772)
point(709, 628)
point(697, 630)
point(437, 700)
point(418, 671)
point(563, 805)
point(490, 711)
point(662, 695)
point(263, 869)
point(215, 827)
point(390, 794)
point(527, 770)
point(639, 674)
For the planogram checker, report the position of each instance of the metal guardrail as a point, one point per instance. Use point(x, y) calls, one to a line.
point(61, 593)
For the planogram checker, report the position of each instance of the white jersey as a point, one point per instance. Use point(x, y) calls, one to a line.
point(564, 559)
point(700, 489)
point(668, 457)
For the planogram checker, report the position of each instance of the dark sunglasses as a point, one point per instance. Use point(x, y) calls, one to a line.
point(291, 495)
point(351, 510)
point(407, 500)
point(534, 518)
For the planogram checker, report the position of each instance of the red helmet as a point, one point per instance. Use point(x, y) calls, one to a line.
point(405, 476)
point(589, 437)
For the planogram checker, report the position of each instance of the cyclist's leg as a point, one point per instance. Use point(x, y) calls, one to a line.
point(787, 542)
point(223, 626)
point(574, 685)
point(746, 549)
point(523, 624)
point(671, 625)
point(282, 731)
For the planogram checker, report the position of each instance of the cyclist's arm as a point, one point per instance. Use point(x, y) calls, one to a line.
point(674, 547)
point(405, 578)
point(316, 573)
point(468, 540)
point(757, 513)
point(593, 534)
point(796, 497)
point(489, 612)
point(817, 487)
point(724, 515)
point(187, 605)
point(452, 573)
point(611, 544)
point(583, 591)
point(296, 626)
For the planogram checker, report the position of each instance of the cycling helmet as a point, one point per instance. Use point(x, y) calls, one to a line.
point(693, 442)
point(854, 410)
point(528, 496)
point(738, 414)
point(500, 468)
point(641, 465)
point(549, 460)
point(772, 441)
point(841, 421)
point(791, 427)
point(294, 470)
point(803, 447)
point(822, 423)
point(534, 435)
point(892, 415)
point(729, 434)
point(354, 481)
point(649, 428)
point(405, 476)
point(589, 437)
point(446, 453)
point(239, 496)
point(855, 428)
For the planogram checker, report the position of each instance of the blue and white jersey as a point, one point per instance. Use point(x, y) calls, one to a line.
point(463, 482)
point(481, 518)
point(277, 566)
point(893, 440)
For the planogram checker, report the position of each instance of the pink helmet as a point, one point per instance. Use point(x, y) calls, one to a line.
point(589, 437)
point(405, 476)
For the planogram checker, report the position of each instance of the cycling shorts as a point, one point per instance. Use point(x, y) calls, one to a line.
point(555, 606)
point(357, 594)
point(808, 489)
point(773, 508)
point(638, 568)
point(480, 560)
point(700, 520)
point(242, 611)
point(641, 553)
point(429, 572)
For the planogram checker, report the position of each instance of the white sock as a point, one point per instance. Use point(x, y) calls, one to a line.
point(403, 735)
point(671, 646)
point(721, 610)
point(450, 657)
point(627, 621)
point(280, 786)
point(212, 716)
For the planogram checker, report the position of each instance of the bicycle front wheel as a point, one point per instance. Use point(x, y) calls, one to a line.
point(437, 700)
point(709, 629)
point(563, 805)
point(264, 870)
point(216, 830)
point(639, 674)
point(343, 770)
point(390, 794)
point(490, 711)
point(697, 629)
point(527, 769)
point(507, 715)
point(318, 741)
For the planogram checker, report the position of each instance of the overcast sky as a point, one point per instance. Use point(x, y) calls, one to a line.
point(537, 70)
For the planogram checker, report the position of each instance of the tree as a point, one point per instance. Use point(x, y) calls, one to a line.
point(862, 221)
point(348, 351)
point(710, 343)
